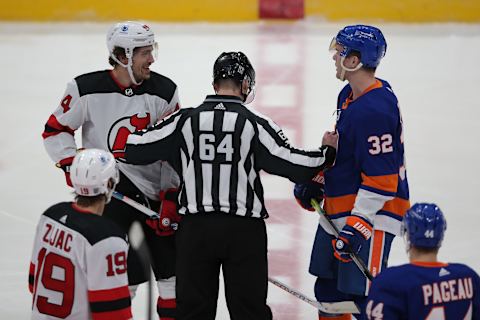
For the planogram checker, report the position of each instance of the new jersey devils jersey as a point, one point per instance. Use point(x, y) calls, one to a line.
point(430, 291)
point(79, 267)
point(108, 113)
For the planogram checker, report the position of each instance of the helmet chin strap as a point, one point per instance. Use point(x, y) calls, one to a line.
point(250, 96)
point(110, 187)
point(128, 66)
point(345, 69)
point(108, 196)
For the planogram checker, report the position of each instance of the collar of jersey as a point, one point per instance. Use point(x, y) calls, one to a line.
point(133, 86)
point(375, 85)
point(429, 264)
point(81, 210)
point(221, 98)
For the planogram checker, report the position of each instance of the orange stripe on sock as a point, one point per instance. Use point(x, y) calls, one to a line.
point(376, 252)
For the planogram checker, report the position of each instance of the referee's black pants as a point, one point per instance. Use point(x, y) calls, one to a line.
point(239, 244)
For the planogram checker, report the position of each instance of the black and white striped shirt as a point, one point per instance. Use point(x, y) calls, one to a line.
point(218, 150)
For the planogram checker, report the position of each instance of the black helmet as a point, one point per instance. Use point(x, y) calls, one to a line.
point(235, 66)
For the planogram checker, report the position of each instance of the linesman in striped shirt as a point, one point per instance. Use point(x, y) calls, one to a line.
point(218, 149)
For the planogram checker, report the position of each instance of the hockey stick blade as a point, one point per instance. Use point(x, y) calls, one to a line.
point(355, 258)
point(149, 212)
point(325, 307)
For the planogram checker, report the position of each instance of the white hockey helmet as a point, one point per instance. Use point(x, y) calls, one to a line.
point(130, 35)
point(91, 171)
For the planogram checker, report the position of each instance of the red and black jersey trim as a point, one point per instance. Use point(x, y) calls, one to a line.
point(53, 127)
point(167, 308)
point(94, 228)
point(31, 277)
point(102, 82)
point(110, 303)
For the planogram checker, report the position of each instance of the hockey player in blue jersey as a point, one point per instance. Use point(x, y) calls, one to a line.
point(425, 288)
point(366, 191)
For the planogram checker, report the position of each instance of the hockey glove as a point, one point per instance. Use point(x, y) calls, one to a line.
point(354, 235)
point(305, 192)
point(169, 218)
point(65, 164)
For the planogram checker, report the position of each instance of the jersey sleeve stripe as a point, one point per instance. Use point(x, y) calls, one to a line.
point(122, 314)
point(108, 294)
point(336, 205)
point(53, 127)
point(110, 306)
point(31, 277)
point(397, 206)
point(341, 204)
point(386, 183)
point(377, 191)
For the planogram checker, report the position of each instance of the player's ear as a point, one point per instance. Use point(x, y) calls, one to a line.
point(122, 58)
point(352, 61)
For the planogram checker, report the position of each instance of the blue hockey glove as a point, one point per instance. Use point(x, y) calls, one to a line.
point(354, 235)
point(305, 192)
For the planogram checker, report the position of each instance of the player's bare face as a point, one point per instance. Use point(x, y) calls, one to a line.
point(142, 59)
point(336, 56)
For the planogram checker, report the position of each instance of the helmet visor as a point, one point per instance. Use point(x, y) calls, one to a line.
point(155, 51)
point(332, 48)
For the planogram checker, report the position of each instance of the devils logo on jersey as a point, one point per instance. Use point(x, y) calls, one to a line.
point(118, 133)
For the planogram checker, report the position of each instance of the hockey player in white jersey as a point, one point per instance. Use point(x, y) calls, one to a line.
point(108, 105)
point(78, 268)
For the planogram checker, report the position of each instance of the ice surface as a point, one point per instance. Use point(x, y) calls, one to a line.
point(432, 68)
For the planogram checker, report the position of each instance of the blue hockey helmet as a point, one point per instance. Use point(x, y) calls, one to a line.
point(424, 225)
point(367, 40)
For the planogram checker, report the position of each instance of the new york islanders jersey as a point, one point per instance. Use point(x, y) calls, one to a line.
point(108, 113)
point(369, 176)
point(79, 267)
point(430, 291)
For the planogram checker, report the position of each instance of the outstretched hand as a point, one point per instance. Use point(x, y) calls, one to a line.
point(330, 138)
point(313, 189)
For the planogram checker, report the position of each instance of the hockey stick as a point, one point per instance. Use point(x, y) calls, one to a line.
point(325, 307)
point(356, 259)
point(334, 307)
point(136, 238)
point(140, 207)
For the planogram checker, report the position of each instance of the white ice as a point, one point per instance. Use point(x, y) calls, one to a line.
point(432, 68)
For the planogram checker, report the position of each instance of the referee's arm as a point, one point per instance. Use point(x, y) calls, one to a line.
point(153, 144)
point(277, 156)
